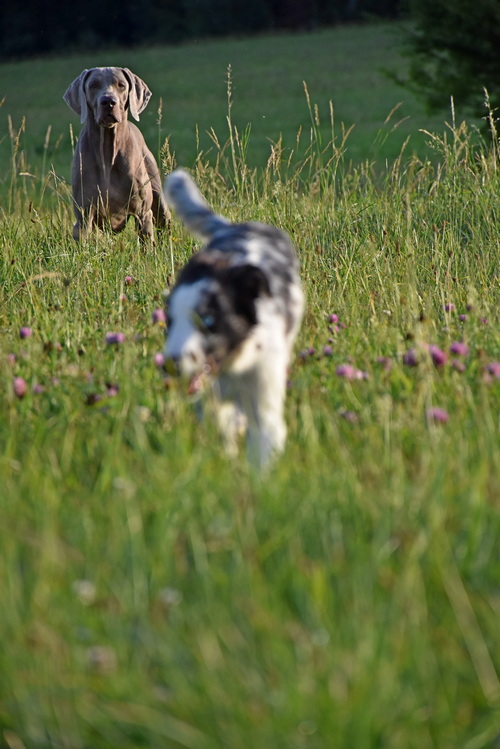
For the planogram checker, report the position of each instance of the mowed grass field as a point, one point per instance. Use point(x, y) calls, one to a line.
point(157, 594)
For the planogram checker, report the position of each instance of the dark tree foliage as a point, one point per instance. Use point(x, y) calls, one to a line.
point(454, 52)
point(34, 27)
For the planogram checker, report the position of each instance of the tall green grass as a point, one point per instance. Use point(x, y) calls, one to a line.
point(155, 593)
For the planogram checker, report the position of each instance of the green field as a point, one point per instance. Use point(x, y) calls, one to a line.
point(157, 594)
point(342, 68)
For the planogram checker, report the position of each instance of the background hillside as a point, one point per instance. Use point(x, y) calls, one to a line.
point(189, 85)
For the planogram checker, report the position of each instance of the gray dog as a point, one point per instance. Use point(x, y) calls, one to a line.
point(115, 175)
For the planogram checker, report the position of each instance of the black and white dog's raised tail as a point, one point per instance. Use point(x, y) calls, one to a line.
point(232, 319)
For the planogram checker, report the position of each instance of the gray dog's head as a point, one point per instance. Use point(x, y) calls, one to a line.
point(107, 94)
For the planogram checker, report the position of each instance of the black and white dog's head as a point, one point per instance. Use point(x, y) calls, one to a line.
point(211, 313)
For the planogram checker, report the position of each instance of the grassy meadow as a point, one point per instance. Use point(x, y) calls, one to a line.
point(157, 594)
point(189, 102)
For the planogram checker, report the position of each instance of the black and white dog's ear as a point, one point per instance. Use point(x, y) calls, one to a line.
point(248, 283)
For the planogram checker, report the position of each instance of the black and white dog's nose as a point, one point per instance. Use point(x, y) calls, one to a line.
point(171, 365)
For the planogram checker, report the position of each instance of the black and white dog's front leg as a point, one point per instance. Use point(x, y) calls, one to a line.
point(263, 400)
point(232, 424)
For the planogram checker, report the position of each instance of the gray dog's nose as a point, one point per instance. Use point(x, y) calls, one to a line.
point(108, 101)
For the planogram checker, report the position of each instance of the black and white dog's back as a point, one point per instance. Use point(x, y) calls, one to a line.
point(233, 316)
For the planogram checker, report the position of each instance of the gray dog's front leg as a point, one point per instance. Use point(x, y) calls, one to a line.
point(145, 227)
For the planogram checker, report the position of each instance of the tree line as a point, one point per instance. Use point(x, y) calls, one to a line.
point(39, 27)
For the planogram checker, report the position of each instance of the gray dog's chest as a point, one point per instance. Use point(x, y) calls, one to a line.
point(117, 183)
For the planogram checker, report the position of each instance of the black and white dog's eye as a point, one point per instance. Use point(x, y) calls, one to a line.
point(205, 322)
point(208, 322)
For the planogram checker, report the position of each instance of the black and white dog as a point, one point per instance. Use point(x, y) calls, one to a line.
point(232, 319)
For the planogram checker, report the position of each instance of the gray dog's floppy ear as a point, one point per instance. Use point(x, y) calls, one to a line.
point(139, 93)
point(75, 96)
